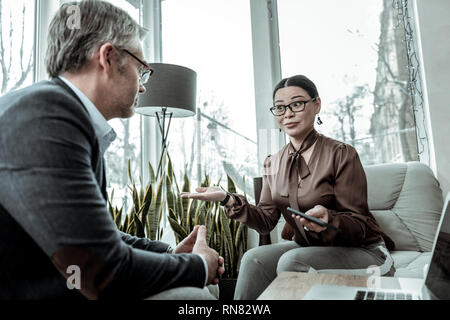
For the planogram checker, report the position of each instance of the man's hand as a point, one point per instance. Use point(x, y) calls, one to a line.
point(319, 212)
point(188, 243)
point(213, 260)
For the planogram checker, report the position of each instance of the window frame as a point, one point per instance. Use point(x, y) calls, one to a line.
point(266, 52)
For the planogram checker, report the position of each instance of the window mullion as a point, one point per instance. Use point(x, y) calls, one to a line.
point(266, 52)
point(44, 11)
point(150, 134)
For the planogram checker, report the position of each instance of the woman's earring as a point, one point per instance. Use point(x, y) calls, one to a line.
point(319, 121)
point(279, 129)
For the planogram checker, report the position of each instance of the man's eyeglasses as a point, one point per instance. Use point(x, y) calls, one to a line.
point(145, 72)
point(296, 106)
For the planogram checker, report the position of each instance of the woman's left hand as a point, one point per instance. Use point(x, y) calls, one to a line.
point(319, 212)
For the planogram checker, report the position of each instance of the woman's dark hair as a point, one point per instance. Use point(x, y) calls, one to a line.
point(298, 81)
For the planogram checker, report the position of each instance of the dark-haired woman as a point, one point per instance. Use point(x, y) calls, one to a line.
point(317, 175)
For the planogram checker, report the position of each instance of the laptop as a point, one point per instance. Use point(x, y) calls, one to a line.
point(436, 284)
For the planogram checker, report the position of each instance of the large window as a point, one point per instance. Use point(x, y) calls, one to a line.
point(214, 39)
point(353, 50)
point(126, 149)
point(355, 53)
point(16, 44)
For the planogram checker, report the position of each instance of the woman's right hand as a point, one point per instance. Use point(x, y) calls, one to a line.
point(206, 194)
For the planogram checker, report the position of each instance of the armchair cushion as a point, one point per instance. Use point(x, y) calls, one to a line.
point(406, 200)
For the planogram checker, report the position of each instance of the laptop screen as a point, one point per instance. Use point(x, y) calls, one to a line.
point(438, 277)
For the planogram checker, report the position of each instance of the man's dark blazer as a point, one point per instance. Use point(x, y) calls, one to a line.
point(53, 213)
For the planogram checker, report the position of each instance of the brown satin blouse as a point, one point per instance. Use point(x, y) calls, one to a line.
point(336, 180)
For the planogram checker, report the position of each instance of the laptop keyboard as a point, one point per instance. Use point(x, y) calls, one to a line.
point(382, 295)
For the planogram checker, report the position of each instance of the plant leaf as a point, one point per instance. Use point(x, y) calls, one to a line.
point(179, 231)
point(151, 174)
point(239, 235)
point(231, 185)
point(125, 224)
point(118, 217)
point(227, 234)
point(138, 227)
point(129, 172)
point(154, 214)
point(145, 208)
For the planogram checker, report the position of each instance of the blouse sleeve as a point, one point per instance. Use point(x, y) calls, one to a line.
point(351, 214)
point(264, 216)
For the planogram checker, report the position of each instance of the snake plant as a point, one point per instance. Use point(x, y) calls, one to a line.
point(227, 237)
point(144, 218)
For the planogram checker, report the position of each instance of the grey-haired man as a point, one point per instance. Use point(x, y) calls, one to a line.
point(54, 223)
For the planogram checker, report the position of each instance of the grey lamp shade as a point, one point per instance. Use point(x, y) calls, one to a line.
point(170, 86)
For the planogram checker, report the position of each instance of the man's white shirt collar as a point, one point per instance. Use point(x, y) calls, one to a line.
point(104, 132)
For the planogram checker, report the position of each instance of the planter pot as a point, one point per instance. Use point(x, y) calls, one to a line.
point(226, 289)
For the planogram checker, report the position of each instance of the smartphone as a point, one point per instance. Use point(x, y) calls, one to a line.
point(312, 219)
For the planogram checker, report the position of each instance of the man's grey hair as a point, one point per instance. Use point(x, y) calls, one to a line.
point(79, 29)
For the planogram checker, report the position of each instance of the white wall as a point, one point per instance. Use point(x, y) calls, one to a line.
point(433, 19)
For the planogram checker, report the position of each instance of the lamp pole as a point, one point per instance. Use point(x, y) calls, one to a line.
point(164, 134)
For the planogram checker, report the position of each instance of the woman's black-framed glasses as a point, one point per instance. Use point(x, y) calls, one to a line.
point(296, 106)
point(145, 72)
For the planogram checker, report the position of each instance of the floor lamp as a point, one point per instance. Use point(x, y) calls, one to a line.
point(170, 93)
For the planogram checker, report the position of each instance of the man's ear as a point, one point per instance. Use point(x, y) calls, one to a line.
point(106, 55)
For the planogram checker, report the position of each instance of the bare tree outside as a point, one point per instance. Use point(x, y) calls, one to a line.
point(184, 152)
point(214, 39)
point(360, 63)
point(16, 44)
point(217, 147)
point(210, 105)
point(391, 136)
point(346, 111)
point(392, 123)
point(123, 151)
